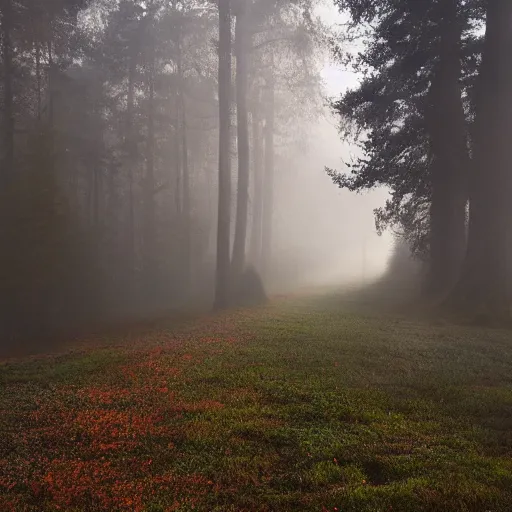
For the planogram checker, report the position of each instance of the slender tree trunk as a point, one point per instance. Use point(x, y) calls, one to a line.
point(131, 154)
point(38, 80)
point(8, 90)
point(257, 202)
point(449, 145)
point(149, 182)
point(485, 283)
point(268, 190)
point(51, 92)
point(242, 43)
point(186, 213)
point(94, 182)
point(186, 217)
point(224, 208)
point(96, 197)
point(178, 165)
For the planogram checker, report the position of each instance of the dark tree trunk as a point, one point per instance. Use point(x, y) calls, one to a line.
point(224, 209)
point(131, 155)
point(485, 281)
point(268, 189)
point(149, 181)
point(450, 166)
point(96, 197)
point(51, 91)
point(257, 202)
point(185, 214)
point(242, 42)
point(178, 168)
point(8, 90)
point(95, 181)
point(38, 80)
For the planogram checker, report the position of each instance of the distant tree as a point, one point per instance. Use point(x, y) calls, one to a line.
point(47, 268)
point(286, 44)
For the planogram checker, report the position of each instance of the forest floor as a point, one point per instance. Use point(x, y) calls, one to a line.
point(309, 403)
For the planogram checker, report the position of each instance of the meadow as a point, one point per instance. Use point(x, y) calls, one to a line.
point(306, 404)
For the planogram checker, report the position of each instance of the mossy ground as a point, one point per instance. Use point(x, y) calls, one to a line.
point(304, 404)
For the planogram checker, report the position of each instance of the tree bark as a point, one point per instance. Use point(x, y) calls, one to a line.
point(149, 182)
point(38, 80)
point(242, 42)
point(51, 91)
point(224, 207)
point(449, 146)
point(185, 213)
point(268, 190)
point(8, 90)
point(257, 202)
point(485, 283)
point(95, 179)
point(131, 150)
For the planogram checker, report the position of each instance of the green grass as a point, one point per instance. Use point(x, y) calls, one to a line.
point(306, 404)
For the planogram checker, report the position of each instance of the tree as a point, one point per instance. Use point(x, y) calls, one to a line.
point(412, 112)
point(268, 190)
point(486, 281)
point(283, 58)
point(8, 128)
point(242, 47)
point(450, 162)
point(223, 230)
point(258, 178)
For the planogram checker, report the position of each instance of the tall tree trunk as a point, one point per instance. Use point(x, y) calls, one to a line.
point(224, 208)
point(257, 202)
point(38, 80)
point(449, 146)
point(8, 90)
point(96, 197)
point(51, 91)
point(485, 283)
point(94, 180)
point(268, 190)
point(242, 43)
point(149, 181)
point(185, 217)
point(131, 155)
point(178, 167)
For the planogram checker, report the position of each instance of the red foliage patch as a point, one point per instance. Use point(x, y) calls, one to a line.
point(95, 447)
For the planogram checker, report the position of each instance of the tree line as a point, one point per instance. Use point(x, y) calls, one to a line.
point(433, 118)
point(138, 152)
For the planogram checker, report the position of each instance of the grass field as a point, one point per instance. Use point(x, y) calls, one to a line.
point(304, 404)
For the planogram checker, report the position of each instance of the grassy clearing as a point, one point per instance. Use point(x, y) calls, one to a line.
point(301, 405)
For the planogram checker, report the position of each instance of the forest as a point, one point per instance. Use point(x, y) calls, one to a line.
point(256, 255)
point(123, 121)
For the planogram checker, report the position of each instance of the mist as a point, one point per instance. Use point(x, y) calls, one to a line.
point(161, 157)
point(325, 236)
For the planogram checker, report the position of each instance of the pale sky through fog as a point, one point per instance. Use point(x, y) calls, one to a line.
point(348, 217)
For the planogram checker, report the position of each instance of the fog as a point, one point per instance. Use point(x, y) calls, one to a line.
point(131, 128)
point(325, 235)
point(326, 232)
